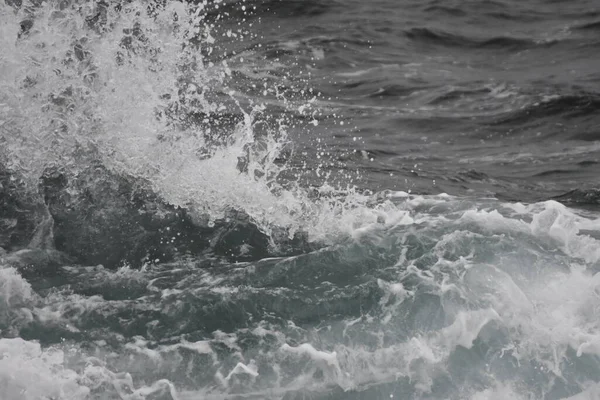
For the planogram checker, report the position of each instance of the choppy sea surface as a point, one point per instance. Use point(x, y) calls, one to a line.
point(299, 199)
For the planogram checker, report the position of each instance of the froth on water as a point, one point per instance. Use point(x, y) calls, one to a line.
point(156, 241)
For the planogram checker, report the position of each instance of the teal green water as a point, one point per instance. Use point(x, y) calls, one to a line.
point(247, 200)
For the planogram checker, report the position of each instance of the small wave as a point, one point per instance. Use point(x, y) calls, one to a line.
point(522, 16)
point(394, 90)
point(439, 37)
point(445, 10)
point(586, 163)
point(473, 175)
point(588, 136)
point(591, 26)
point(455, 94)
point(297, 8)
point(580, 196)
point(568, 106)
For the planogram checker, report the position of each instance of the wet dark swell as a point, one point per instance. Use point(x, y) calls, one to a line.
point(98, 217)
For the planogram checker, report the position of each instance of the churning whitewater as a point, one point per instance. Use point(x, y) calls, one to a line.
point(299, 200)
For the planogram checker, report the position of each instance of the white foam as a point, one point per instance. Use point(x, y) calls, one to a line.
point(242, 368)
point(592, 392)
point(14, 290)
point(29, 373)
point(466, 327)
point(561, 224)
point(546, 310)
point(500, 392)
point(322, 357)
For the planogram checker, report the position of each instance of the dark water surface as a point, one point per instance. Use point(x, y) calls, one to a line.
point(292, 199)
point(496, 98)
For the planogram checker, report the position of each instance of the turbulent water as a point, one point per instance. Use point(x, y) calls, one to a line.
point(299, 199)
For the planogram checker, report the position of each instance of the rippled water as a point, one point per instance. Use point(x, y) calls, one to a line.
point(287, 199)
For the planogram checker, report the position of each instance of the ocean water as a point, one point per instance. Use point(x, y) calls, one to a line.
point(299, 199)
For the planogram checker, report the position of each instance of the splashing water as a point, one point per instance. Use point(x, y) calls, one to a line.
point(127, 84)
point(402, 296)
